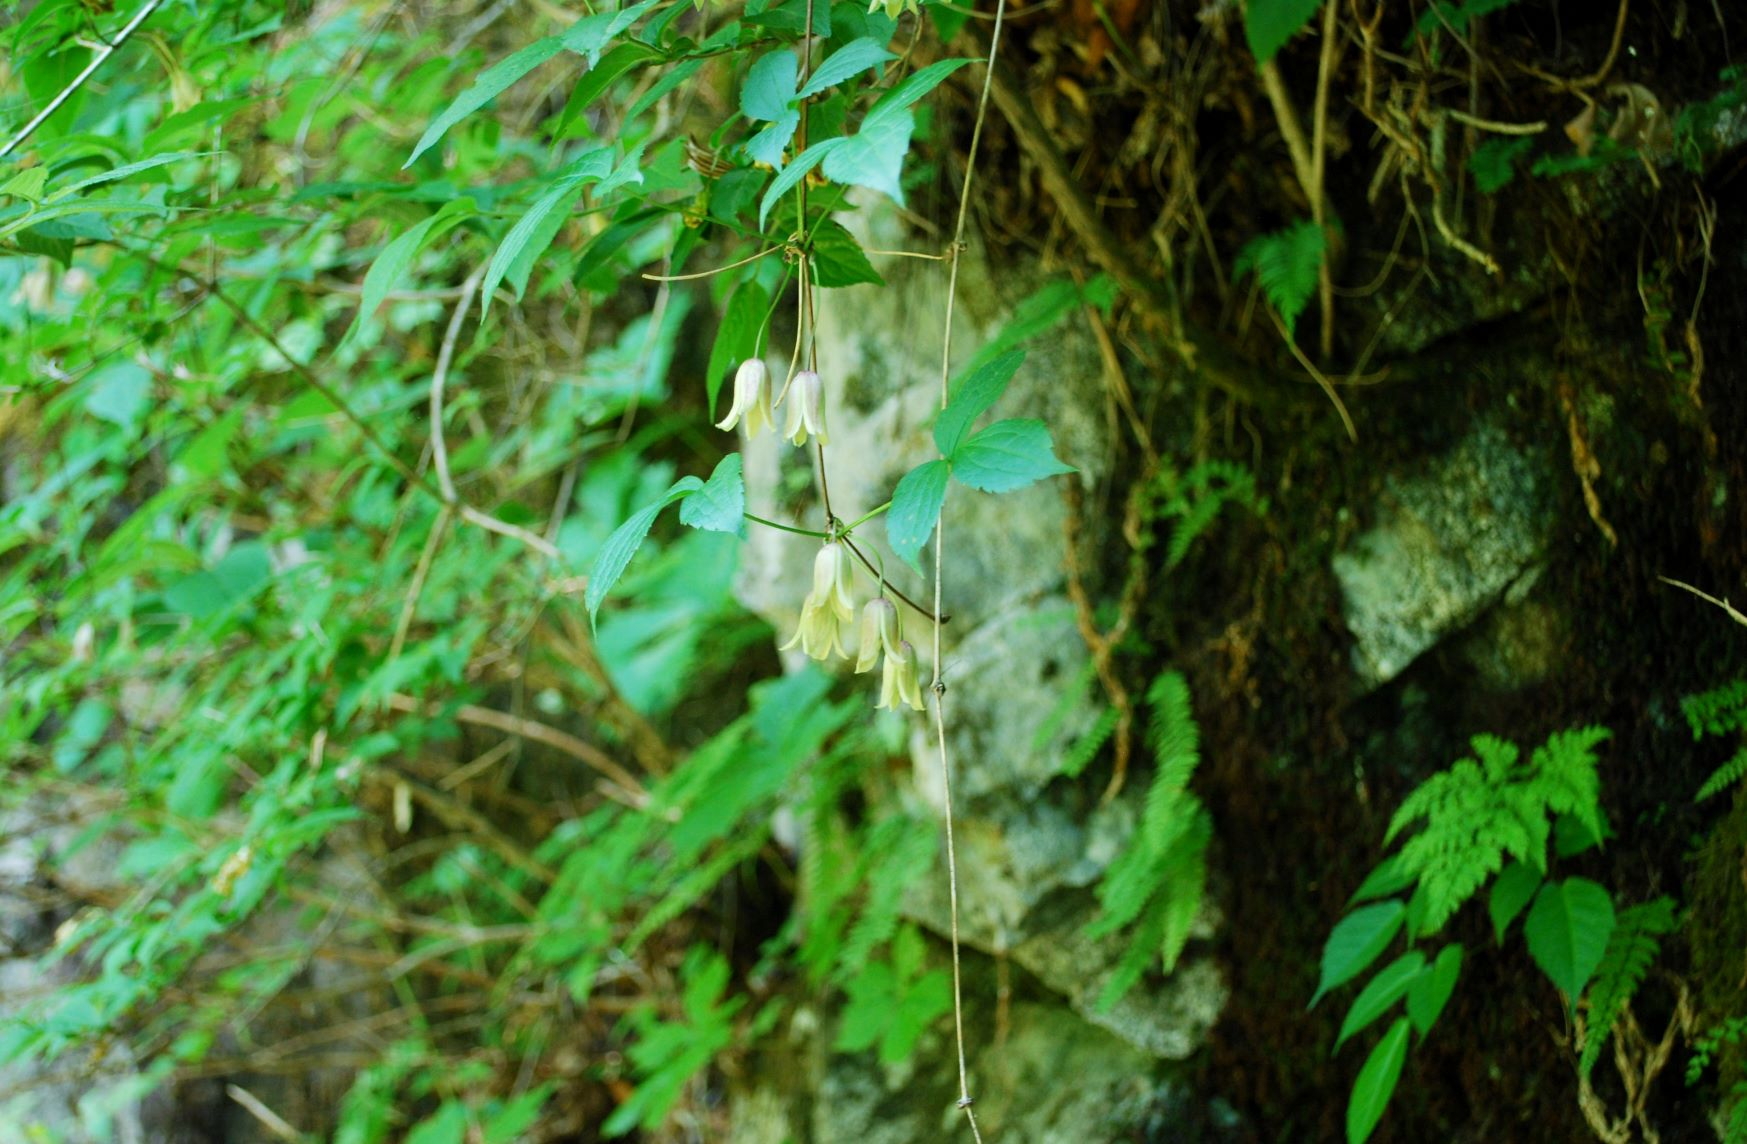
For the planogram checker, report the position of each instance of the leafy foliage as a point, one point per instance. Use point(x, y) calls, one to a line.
point(1632, 946)
point(1720, 711)
point(1159, 878)
point(1465, 820)
point(1194, 500)
point(1482, 809)
point(1286, 264)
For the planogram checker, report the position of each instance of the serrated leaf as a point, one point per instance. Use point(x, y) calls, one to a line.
point(794, 172)
point(1631, 948)
point(720, 506)
point(1376, 1082)
point(534, 231)
point(915, 509)
point(589, 35)
point(1268, 24)
point(769, 92)
point(737, 336)
point(397, 257)
point(1356, 941)
point(874, 156)
point(615, 555)
point(488, 85)
point(1567, 930)
point(847, 62)
point(1381, 992)
point(838, 259)
point(1429, 993)
point(972, 397)
point(1007, 455)
point(1515, 886)
point(915, 85)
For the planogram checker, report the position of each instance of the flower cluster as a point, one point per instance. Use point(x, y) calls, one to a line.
point(831, 603)
point(804, 398)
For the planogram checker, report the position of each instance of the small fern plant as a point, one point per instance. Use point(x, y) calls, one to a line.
point(1157, 882)
point(1491, 816)
point(1722, 711)
point(1286, 264)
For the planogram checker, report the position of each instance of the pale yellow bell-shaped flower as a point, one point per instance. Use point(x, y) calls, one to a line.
point(829, 606)
point(751, 398)
point(879, 632)
point(899, 682)
point(806, 409)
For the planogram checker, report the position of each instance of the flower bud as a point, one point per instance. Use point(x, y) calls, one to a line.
point(806, 413)
point(879, 632)
point(751, 398)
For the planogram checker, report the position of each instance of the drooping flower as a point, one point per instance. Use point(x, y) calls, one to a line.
point(751, 398)
point(879, 632)
point(828, 606)
point(899, 682)
point(806, 414)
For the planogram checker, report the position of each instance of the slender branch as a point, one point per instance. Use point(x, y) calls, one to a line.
point(440, 378)
point(785, 527)
point(711, 273)
point(97, 60)
point(931, 617)
point(956, 252)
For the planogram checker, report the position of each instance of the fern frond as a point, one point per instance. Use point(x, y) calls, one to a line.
point(1564, 774)
point(1135, 958)
point(1073, 697)
point(895, 860)
point(1630, 950)
point(1718, 711)
point(1724, 776)
point(1171, 733)
point(1735, 1132)
point(1286, 263)
point(1128, 885)
point(1185, 872)
point(1087, 746)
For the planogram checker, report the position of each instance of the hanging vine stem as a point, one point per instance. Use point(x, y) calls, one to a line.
point(965, 1100)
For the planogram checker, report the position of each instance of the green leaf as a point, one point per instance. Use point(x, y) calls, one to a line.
point(1268, 24)
point(1568, 929)
point(1382, 992)
point(615, 555)
point(1007, 455)
point(846, 62)
point(1286, 263)
point(769, 145)
point(1493, 163)
point(838, 259)
point(397, 257)
point(916, 85)
point(737, 336)
point(486, 86)
point(448, 1125)
point(28, 184)
point(1515, 886)
point(769, 92)
point(1389, 877)
point(589, 35)
point(794, 173)
point(1630, 949)
point(915, 509)
point(534, 231)
point(116, 174)
point(595, 82)
point(1356, 941)
point(874, 156)
point(120, 393)
point(1428, 994)
point(1376, 1082)
point(720, 506)
point(971, 398)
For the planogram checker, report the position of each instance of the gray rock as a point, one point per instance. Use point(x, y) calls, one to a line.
point(1445, 545)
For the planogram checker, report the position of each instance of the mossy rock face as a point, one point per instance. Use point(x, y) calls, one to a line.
point(1716, 930)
